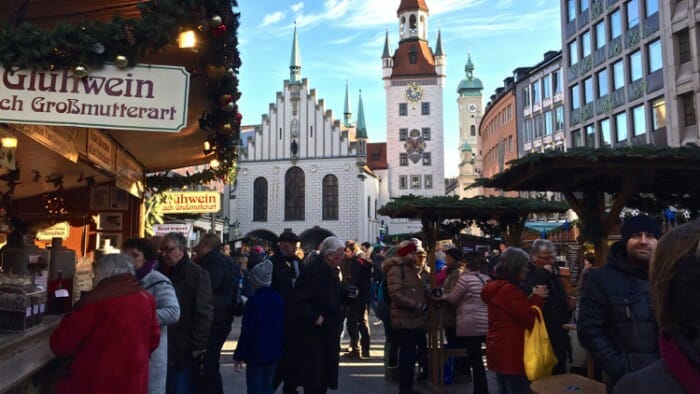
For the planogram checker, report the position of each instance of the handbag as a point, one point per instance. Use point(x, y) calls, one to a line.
point(538, 355)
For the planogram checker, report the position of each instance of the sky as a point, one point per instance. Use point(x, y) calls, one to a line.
point(342, 40)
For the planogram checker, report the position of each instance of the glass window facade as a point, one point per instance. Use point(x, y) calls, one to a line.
point(655, 57)
point(535, 88)
point(602, 78)
point(618, 75)
point(573, 53)
point(588, 90)
point(639, 124)
point(556, 82)
point(632, 13)
point(590, 135)
point(600, 34)
point(621, 127)
point(575, 97)
point(559, 119)
point(658, 114)
point(651, 7)
point(548, 123)
point(636, 71)
point(571, 10)
point(605, 136)
point(546, 87)
point(585, 44)
point(615, 24)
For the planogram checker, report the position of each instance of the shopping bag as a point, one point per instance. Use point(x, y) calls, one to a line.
point(538, 355)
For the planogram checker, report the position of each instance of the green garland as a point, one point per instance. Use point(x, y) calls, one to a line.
point(88, 45)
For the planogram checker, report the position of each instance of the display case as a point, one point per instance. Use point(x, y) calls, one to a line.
point(22, 304)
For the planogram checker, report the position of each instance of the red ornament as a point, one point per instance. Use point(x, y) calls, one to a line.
point(225, 99)
point(239, 117)
point(219, 31)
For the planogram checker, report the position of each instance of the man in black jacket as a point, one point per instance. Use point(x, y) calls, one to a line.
point(357, 274)
point(616, 317)
point(223, 287)
point(187, 339)
point(544, 272)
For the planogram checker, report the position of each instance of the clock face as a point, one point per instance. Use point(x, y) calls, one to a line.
point(414, 92)
point(472, 108)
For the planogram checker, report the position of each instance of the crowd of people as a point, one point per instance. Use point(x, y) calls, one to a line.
point(640, 311)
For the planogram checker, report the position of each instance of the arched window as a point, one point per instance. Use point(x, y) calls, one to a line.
point(330, 197)
point(412, 25)
point(294, 194)
point(260, 200)
point(473, 131)
point(403, 25)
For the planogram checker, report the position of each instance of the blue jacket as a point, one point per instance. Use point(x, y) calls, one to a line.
point(260, 342)
point(616, 317)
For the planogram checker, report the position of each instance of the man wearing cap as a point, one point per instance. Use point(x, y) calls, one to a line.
point(616, 318)
point(286, 265)
point(409, 308)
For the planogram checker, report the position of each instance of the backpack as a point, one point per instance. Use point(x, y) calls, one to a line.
point(380, 300)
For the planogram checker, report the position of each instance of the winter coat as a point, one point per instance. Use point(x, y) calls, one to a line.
point(556, 307)
point(449, 318)
point(472, 313)
point(284, 274)
point(223, 285)
point(167, 313)
point(193, 289)
point(358, 272)
point(407, 293)
point(509, 316)
point(616, 317)
point(262, 330)
point(109, 336)
point(311, 355)
point(653, 379)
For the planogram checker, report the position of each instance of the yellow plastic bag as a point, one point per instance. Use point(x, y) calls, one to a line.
point(538, 355)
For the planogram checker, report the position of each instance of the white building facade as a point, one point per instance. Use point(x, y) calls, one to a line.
point(304, 171)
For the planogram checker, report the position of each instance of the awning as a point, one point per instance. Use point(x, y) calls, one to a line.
point(548, 227)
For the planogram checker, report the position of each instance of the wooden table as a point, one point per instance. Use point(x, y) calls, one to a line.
point(567, 384)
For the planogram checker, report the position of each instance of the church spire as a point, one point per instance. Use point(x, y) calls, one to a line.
point(469, 68)
point(387, 50)
point(439, 51)
point(295, 61)
point(347, 112)
point(361, 125)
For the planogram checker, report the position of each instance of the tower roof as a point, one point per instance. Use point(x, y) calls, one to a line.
point(410, 5)
point(470, 86)
point(439, 51)
point(425, 62)
point(361, 125)
point(466, 147)
point(295, 59)
point(387, 50)
point(346, 109)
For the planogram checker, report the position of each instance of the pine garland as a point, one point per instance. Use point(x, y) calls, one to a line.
point(88, 45)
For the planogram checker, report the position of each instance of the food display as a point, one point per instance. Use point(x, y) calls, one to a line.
point(22, 305)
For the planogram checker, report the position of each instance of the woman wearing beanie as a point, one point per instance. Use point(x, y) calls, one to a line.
point(262, 329)
point(145, 258)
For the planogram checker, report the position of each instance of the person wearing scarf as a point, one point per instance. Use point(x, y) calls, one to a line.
point(145, 259)
point(674, 278)
point(109, 335)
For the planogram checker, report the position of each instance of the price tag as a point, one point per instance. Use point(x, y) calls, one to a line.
point(28, 311)
point(35, 309)
point(61, 293)
point(42, 308)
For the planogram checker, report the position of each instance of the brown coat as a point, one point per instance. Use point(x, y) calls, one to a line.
point(449, 316)
point(407, 293)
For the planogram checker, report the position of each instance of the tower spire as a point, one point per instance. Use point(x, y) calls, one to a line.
point(347, 112)
point(439, 51)
point(361, 125)
point(295, 60)
point(387, 50)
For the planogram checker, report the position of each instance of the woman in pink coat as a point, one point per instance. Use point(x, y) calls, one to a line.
point(472, 317)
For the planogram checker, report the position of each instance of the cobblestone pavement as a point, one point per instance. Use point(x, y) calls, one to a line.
point(364, 376)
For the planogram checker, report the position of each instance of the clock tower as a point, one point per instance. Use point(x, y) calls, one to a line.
point(470, 111)
point(414, 79)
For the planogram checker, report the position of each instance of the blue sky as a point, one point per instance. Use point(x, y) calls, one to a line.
point(343, 40)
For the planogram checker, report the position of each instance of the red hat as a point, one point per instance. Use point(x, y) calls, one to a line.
point(406, 247)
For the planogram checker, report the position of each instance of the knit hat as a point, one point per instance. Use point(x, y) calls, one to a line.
point(406, 247)
point(288, 236)
point(455, 253)
point(638, 224)
point(261, 274)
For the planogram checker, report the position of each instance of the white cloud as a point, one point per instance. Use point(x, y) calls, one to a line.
point(332, 10)
point(373, 13)
point(273, 18)
point(342, 40)
point(298, 6)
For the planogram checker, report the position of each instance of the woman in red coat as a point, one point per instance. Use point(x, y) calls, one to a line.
point(509, 316)
point(110, 333)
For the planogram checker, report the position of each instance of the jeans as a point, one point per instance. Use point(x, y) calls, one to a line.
point(212, 377)
point(476, 362)
point(357, 325)
point(408, 340)
point(512, 384)
point(179, 381)
point(258, 378)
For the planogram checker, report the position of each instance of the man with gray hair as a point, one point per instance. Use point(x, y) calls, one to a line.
point(187, 339)
point(556, 312)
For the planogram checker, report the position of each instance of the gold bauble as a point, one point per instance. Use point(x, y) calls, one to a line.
point(215, 21)
point(121, 61)
point(80, 71)
point(227, 129)
point(215, 72)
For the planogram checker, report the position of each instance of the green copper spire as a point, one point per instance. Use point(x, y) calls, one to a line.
point(295, 61)
point(470, 86)
point(387, 50)
point(361, 125)
point(469, 68)
point(347, 112)
point(439, 51)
